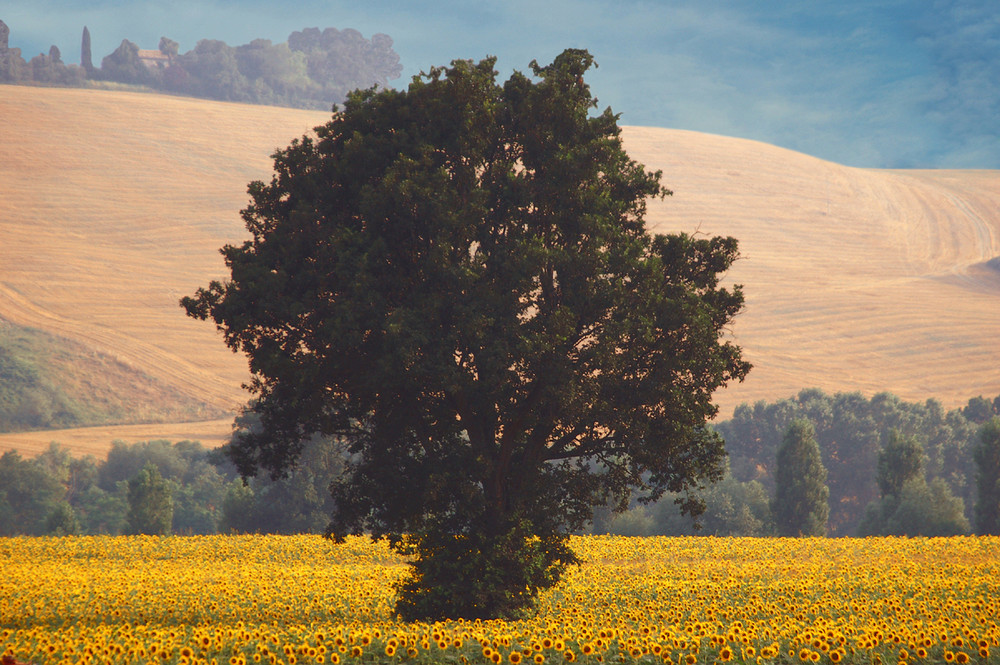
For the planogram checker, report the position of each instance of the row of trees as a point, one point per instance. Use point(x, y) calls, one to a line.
point(159, 488)
point(156, 487)
point(843, 465)
point(43, 68)
point(313, 69)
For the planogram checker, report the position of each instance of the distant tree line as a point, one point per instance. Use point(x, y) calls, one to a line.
point(844, 465)
point(157, 487)
point(313, 69)
point(815, 464)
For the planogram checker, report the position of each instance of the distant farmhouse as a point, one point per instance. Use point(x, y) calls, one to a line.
point(154, 59)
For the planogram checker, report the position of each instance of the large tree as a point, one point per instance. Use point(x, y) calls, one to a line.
point(457, 280)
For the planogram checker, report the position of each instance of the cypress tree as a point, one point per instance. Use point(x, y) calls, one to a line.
point(801, 500)
point(987, 456)
point(86, 61)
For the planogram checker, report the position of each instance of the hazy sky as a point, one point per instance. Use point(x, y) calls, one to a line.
point(878, 83)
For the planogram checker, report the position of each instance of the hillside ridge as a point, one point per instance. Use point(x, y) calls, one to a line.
point(115, 204)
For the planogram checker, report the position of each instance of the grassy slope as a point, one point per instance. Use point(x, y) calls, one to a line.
point(48, 381)
point(113, 205)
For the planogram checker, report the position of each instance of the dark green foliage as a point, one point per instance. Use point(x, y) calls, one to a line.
point(238, 508)
point(74, 474)
point(909, 505)
point(124, 66)
point(339, 61)
point(801, 497)
point(987, 456)
point(28, 496)
point(898, 462)
point(55, 493)
point(477, 575)
point(196, 485)
point(920, 509)
point(13, 68)
point(168, 46)
point(732, 508)
point(62, 521)
point(297, 502)
point(125, 461)
point(103, 512)
point(86, 58)
point(849, 429)
point(457, 280)
point(979, 409)
point(198, 501)
point(150, 503)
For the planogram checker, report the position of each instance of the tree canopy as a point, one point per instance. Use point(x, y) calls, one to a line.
point(456, 279)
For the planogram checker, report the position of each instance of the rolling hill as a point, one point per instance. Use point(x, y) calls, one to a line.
point(113, 205)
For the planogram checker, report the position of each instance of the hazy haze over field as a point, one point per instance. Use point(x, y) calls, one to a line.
point(871, 83)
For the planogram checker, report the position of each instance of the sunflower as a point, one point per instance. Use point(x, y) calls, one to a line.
point(515, 657)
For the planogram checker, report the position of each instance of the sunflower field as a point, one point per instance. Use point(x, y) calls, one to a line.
point(231, 600)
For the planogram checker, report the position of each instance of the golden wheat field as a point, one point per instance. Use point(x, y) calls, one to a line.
point(113, 205)
point(301, 599)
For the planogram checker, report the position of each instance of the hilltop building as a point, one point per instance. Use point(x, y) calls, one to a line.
point(154, 59)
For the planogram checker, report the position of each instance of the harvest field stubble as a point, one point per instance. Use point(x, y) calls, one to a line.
point(115, 204)
point(303, 599)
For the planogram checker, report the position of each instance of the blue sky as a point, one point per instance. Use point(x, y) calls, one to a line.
point(873, 83)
